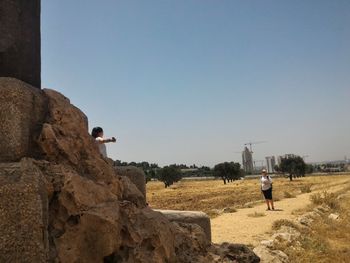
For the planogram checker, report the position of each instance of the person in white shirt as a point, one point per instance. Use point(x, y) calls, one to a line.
point(266, 188)
point(97, 133)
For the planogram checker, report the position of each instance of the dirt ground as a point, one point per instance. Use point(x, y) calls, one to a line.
point(239, 227)
point(244, 225)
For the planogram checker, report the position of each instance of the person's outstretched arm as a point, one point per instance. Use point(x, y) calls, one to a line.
point(101, 140)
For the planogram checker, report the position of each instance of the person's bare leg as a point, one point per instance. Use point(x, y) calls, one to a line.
point(268, 204)
point(272, 206)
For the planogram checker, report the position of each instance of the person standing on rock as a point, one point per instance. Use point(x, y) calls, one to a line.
point(97, 133)
point(266, 188)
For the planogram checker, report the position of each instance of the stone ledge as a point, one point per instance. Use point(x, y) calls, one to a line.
point(189, 217)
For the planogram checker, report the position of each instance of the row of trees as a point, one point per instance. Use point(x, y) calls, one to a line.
point(227, 171)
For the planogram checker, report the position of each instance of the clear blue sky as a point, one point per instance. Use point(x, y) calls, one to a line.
point(192, 81)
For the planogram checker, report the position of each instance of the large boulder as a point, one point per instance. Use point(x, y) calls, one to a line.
point(136, 176)
point(22, 112)
point(65, 139)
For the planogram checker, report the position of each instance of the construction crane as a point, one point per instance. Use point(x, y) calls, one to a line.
point(251, 143)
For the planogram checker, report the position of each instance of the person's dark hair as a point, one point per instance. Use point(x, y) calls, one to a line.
point(96, 131)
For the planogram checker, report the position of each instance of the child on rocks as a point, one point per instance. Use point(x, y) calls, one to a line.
point(97, 133)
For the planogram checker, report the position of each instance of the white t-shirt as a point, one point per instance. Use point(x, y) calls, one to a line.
point(101, 146)
point(266, 182)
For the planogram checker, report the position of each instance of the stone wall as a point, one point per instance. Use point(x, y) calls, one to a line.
point(23, 213)
point(20, 40)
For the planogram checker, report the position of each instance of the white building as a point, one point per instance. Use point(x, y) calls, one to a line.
point(270, 164)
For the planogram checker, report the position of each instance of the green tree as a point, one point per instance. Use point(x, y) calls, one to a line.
point(295, 167)
point(169, 175)
point(228, 171)
point(150, 174)
point(309, 169)
point(276, 168)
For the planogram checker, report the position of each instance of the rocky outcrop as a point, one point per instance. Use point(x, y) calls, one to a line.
point(20, 40)
point(67, 203)
point(136, 176)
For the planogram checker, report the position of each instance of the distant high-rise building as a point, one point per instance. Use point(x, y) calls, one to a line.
point(270, 164)
point(247, 160)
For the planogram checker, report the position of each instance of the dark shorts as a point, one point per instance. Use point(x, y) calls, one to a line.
point(268, 193)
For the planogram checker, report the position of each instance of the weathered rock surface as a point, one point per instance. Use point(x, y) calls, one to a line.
point(68, 204)
point(287, 234)
point(136, 176)
point(22, 113)
point(20, 40)
point(270, 256)
point(23, 213)
point(190, 217)
point(334, 216)
point(235, 253)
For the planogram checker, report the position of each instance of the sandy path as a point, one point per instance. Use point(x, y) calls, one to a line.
point(238, 227)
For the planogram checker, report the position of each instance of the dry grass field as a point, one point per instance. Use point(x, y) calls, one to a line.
point(212, 195)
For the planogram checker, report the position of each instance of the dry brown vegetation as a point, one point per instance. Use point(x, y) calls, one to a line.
point(212, 195)
point(284, 222)
point(327, 240)
point(256, 214)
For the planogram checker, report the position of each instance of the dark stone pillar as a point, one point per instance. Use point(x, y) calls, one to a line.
point(20, 40)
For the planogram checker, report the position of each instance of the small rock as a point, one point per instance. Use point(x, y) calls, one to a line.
point(283, 237)
point(270, 256)
point(306, 221)
point(333, 216)
point(267, 243)
point(229, 210)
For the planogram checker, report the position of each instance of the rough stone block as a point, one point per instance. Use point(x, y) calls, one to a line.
point(135, 175)
point(191, 217)
point(22, 112)
point(20, 40)
point(23, 213)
